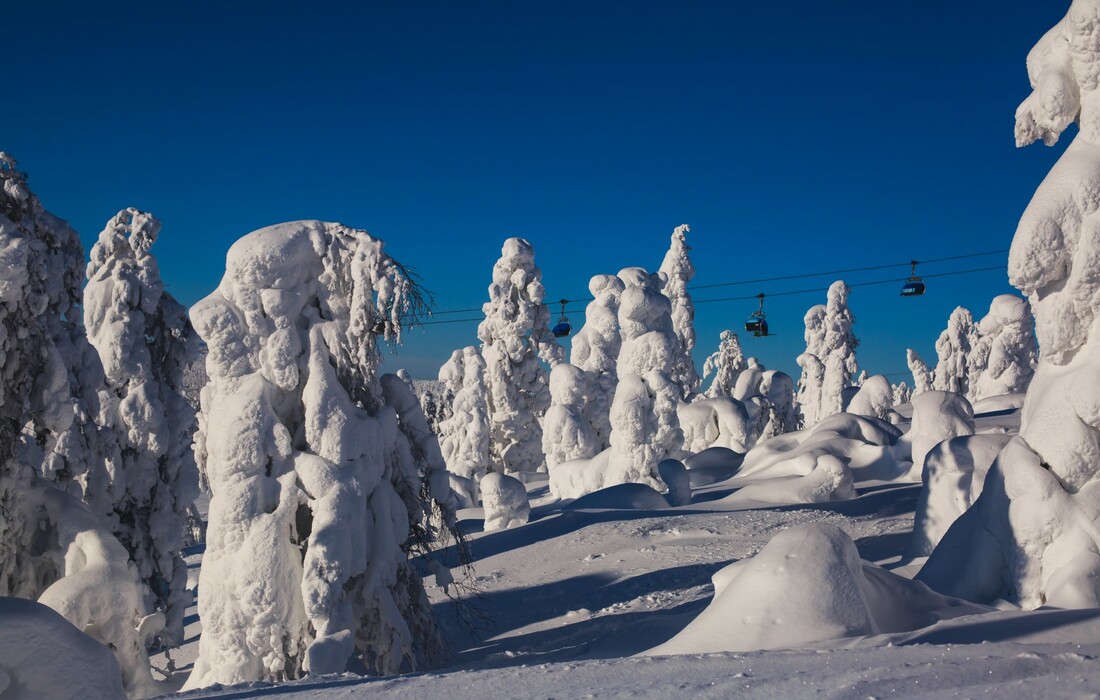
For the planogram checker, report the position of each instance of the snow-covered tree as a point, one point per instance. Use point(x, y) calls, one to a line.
point(875, 398)
point(778, 390)
point(322, 476)
point(566, 434)
point(53, 547)
point(839, 351)
point(464, 437)
point(829, 363)
point(953, 348)
point(1031, 536)
point(595, 349)
point(902, 393)
point(146, 343)
point(644, 425)
point(813, 368)
point(678, 271)
point(726, 364)
point(435, 400)
point(1003, 358)
point(809, 388)
point(514, 335)
point(922, 376)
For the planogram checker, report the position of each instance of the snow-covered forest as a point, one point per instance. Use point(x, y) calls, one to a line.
point(237, 500)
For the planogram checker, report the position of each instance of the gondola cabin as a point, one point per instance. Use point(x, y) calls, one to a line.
point(913, 288)
point(563, 327)
point(757, 325)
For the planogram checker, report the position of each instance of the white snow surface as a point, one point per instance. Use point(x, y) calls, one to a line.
point(44, 657)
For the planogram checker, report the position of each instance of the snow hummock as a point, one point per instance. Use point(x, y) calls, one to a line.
point(44, 657)
point(505, 501)
point(807, 585)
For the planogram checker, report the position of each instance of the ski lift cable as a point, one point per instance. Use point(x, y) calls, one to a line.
point(867, 268)
point(851, 269)
point(776, 294)
point(854, 284)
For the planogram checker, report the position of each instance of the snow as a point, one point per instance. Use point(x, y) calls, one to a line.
point(320, 472)
point(505, 501)
point(807, 585)
point(42, 655)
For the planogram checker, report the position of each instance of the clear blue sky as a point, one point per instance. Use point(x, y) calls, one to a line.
point(793, 136)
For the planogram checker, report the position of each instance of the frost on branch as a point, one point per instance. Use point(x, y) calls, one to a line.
point(322, 476)
point(514, 335)
point(678, 271)
point(1031, 536)
point(146, 344)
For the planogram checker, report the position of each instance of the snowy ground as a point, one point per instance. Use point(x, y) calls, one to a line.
point(566, 602)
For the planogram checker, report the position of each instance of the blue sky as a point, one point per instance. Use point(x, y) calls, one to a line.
point(796, 136)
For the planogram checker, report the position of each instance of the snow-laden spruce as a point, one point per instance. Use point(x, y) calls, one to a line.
point(678, 271)
point(1003, 358)
point(146, 343)
point(320, 474)
point(53, 547)
point(595, 349)
point(1032, 535)
point(644, 425)
point(922, 376)
point(875, 398)
point(566, 433)
point(829, 363)
point(726, 364)
point(464, 437)
point(953, 347)
point(839, 350)
point(515, 335)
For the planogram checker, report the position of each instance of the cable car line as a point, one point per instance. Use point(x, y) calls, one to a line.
point(851, 269)
point(779, 294)
point(867, 268)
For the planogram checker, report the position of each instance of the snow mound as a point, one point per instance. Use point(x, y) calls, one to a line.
point(577, 477)
point(954, 472)
point(622, 497)
point(807, 585)
point(42, 656)
point(505, 501)
point(865, 445)
point(713, 464)
point(675, 475)
point(937, 416)
point(721, 422)
point(829, 480)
